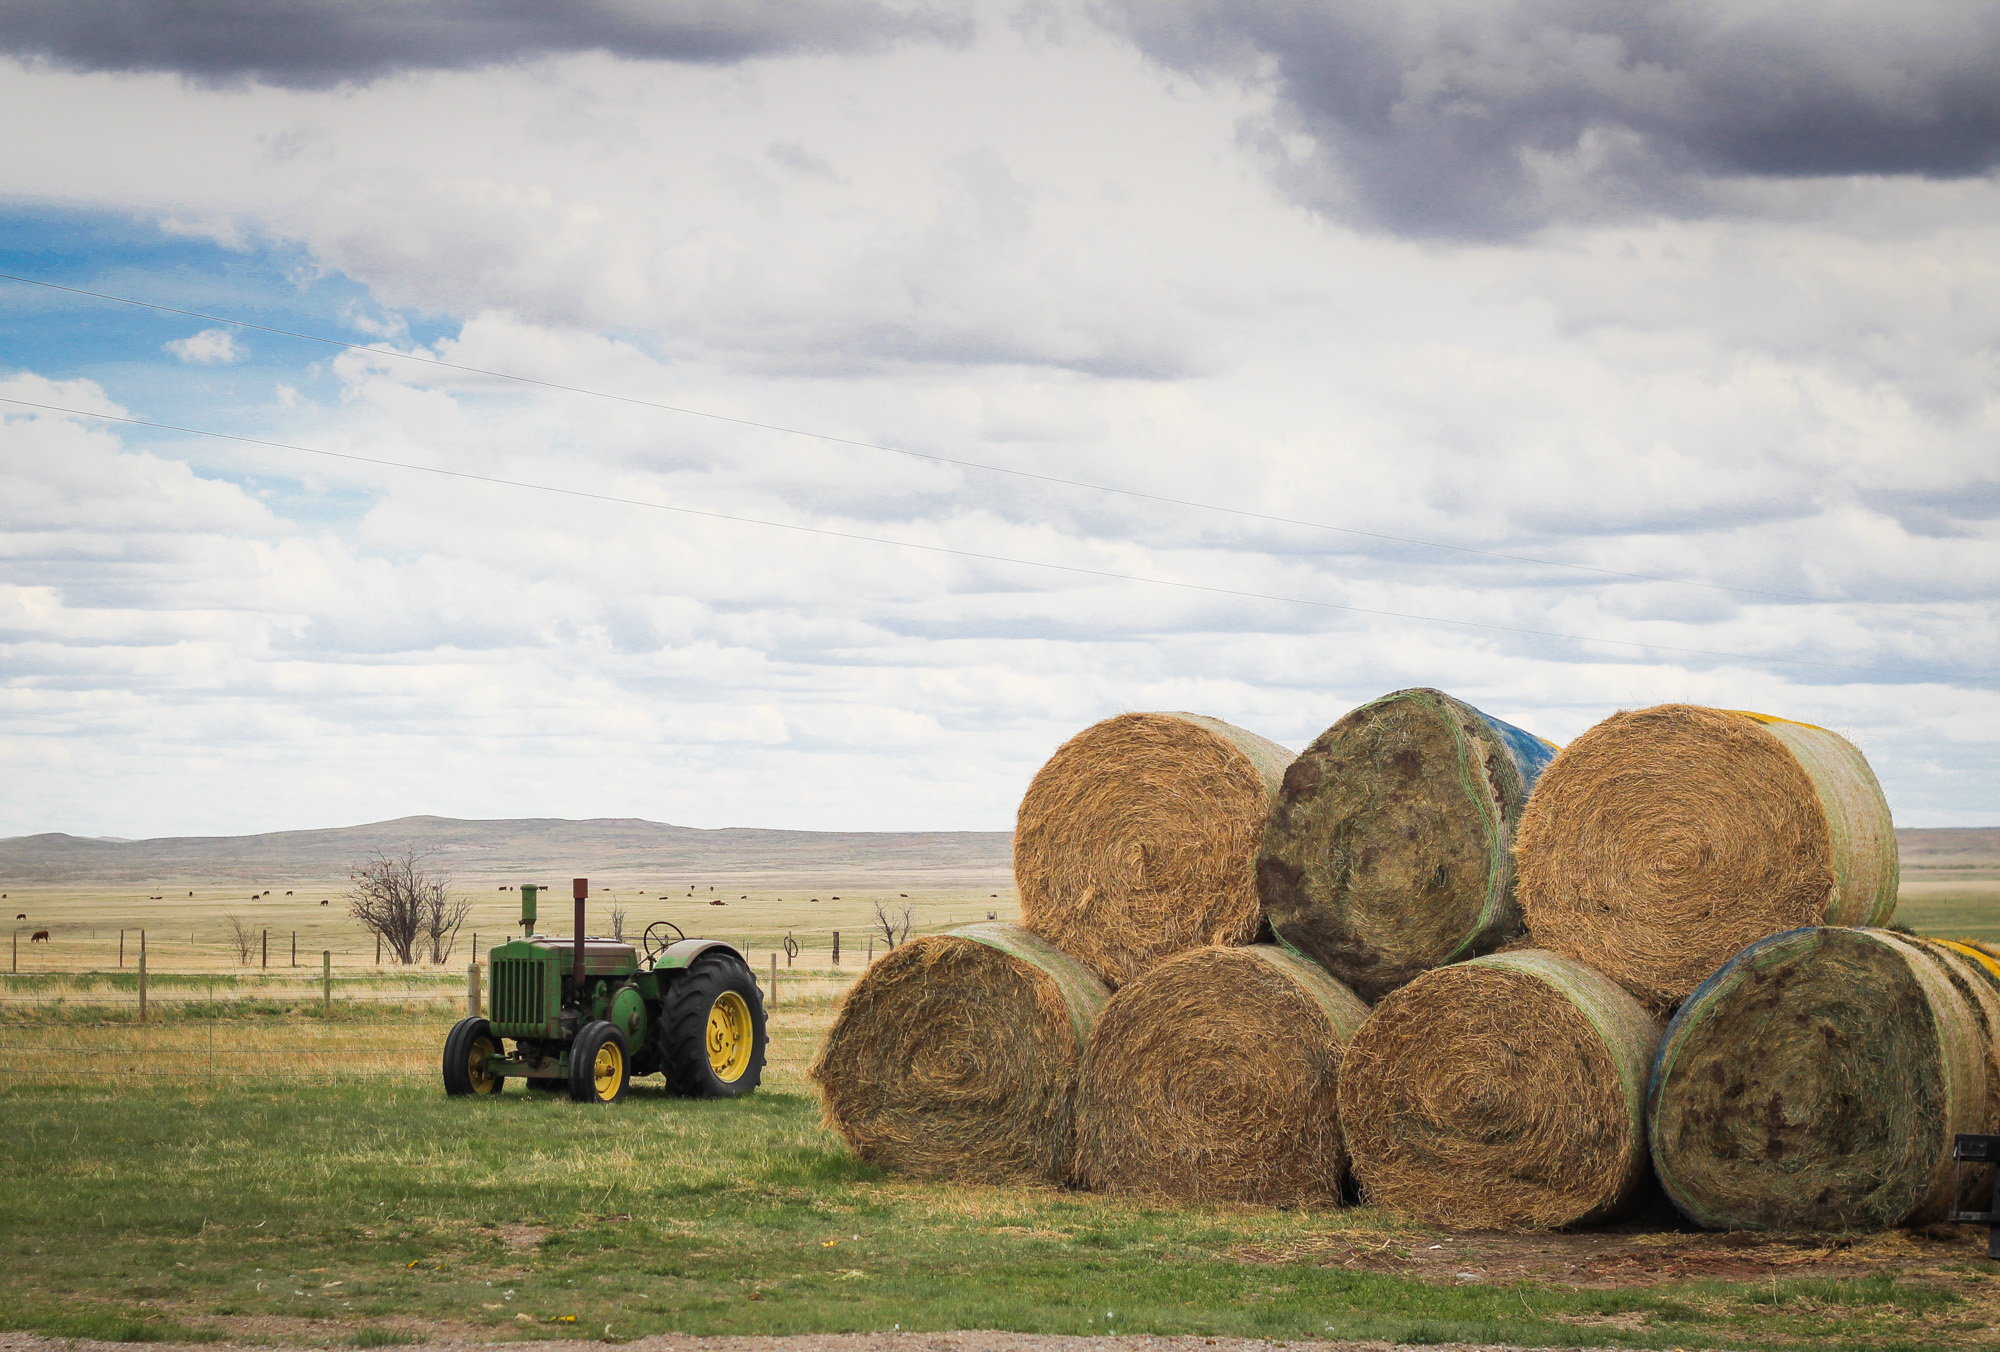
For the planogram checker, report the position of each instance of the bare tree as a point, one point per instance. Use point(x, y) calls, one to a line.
point(618, 921)
point(403, 900)
point(894, 928)
point(244, 937)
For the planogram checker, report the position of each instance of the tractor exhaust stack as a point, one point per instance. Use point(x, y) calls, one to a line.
point(581, 887)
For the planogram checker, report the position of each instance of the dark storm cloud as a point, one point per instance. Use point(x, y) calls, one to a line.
point(319, 43)
point(1482, 119)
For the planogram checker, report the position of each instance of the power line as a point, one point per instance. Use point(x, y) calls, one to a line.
point(926, 548)
point(933, 457)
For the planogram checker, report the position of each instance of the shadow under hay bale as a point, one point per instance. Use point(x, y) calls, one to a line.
point(1815, 1082)
point(1213, 1077)
point(1662, 841)
point(956, 1056)
point(1138, 840)
point(1507, 1092)
point(1389, 851)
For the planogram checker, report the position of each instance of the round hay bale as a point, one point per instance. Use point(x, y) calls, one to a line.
point(955, 1056)
point(1389, 851)
point(1662, 841)
point(1815, 1082)
point(1213, 1078)
point(1507, 1092)
point(1138, 840)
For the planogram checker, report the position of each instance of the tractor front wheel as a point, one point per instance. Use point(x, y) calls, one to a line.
point(600, 1064)
point(713, 1022)
point(466, 1048)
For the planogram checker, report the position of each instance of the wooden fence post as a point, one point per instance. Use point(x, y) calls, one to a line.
point(121, 950)
point(295, 948)
point(836, 948)
point(472, 988)
point(326, 983)
point(378, 950)
point(871, 952)
point(17, 950)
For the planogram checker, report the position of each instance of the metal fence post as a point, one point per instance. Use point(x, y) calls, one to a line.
point(295, 948)
point(472, 988)
point(774, 981)
point(17, 950)
point(266, 959)
point(142, 983)
point(326, 983)
point(121, 950)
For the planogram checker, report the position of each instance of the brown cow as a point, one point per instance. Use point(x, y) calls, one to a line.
point(39, 937)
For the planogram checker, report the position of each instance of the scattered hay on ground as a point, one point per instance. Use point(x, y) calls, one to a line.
point(1389, 851)
point(956, 1056)
point(1816, 1082)
point(1501, 1093)
point(1662, 841)
point(1213, 1077)
point(1138, 840)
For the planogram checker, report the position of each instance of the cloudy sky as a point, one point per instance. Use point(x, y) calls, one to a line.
point(904, 386)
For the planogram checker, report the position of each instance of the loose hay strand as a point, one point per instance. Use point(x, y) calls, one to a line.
point(1215, 1076)
point(1137, 840)
point(1816, 1082)
point(1662, 841)
point(1507, 1092)
point(1389, 851)
point(956, 1056)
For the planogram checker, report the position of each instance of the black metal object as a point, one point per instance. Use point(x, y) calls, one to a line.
point(1970, 1149)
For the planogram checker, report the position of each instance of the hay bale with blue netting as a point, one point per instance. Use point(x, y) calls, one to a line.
point(1214, 1077)
point(1389, 850)
point(955, 1056)
point(1506, 1092)
point(1816, 1082)
point(1664, 840)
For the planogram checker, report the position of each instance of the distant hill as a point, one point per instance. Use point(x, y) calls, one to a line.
point(525, 847)
point(1946, 847)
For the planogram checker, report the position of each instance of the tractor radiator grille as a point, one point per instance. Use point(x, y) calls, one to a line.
point(521, 995)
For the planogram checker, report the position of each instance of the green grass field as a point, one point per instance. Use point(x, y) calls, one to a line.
point(244, 1167)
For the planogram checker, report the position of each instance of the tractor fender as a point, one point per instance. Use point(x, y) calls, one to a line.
point(677, 956)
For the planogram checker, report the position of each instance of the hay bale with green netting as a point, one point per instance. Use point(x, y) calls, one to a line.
point(956, 1055)
point(1138, 840)
point(1214, 1077)
point(1816, 1082)
point(1507, 1092)
point(1662, 841)
point(1389, 851)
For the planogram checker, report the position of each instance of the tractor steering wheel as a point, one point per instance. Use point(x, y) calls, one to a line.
point(656, 945)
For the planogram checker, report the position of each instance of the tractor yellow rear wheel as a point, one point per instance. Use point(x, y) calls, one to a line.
point(713, 1028)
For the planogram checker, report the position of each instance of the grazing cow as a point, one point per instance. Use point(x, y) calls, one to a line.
point(22, 916)
point(39, 937)
point(322, 903)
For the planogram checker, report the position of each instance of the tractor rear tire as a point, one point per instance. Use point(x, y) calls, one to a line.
point(466, 1048)
point(713, 1025)
point(600, 1064)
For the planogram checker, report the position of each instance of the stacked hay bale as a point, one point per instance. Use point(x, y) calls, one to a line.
point(1816, 1082)
point(1214, 1077)
point(1138, 840)
point(956, 1056)
point(1662, 841)
point(1504, 1092)
point(1389, 850)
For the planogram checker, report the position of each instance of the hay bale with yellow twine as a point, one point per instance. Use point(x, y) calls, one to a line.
point(956, 1056)
point(1815, 1082)
point(1214, 1077)
point(1390, 849)
point(1507, 1092)
point(1138, 840)
point(1664, 840)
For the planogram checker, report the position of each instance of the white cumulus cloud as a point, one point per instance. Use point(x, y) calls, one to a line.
point(210, 347)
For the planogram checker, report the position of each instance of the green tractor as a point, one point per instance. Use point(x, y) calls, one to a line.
point(587, 1014)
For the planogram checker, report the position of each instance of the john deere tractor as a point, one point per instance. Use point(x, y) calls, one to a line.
point(587, 1014)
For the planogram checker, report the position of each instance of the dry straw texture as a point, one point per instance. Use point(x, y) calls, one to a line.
point(1213, 1077)
point(1138, 840)
point(1815, 1083)
point(1664, 840)
point(1503, 1093)
point(1389, 851)
point(955, 1056)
